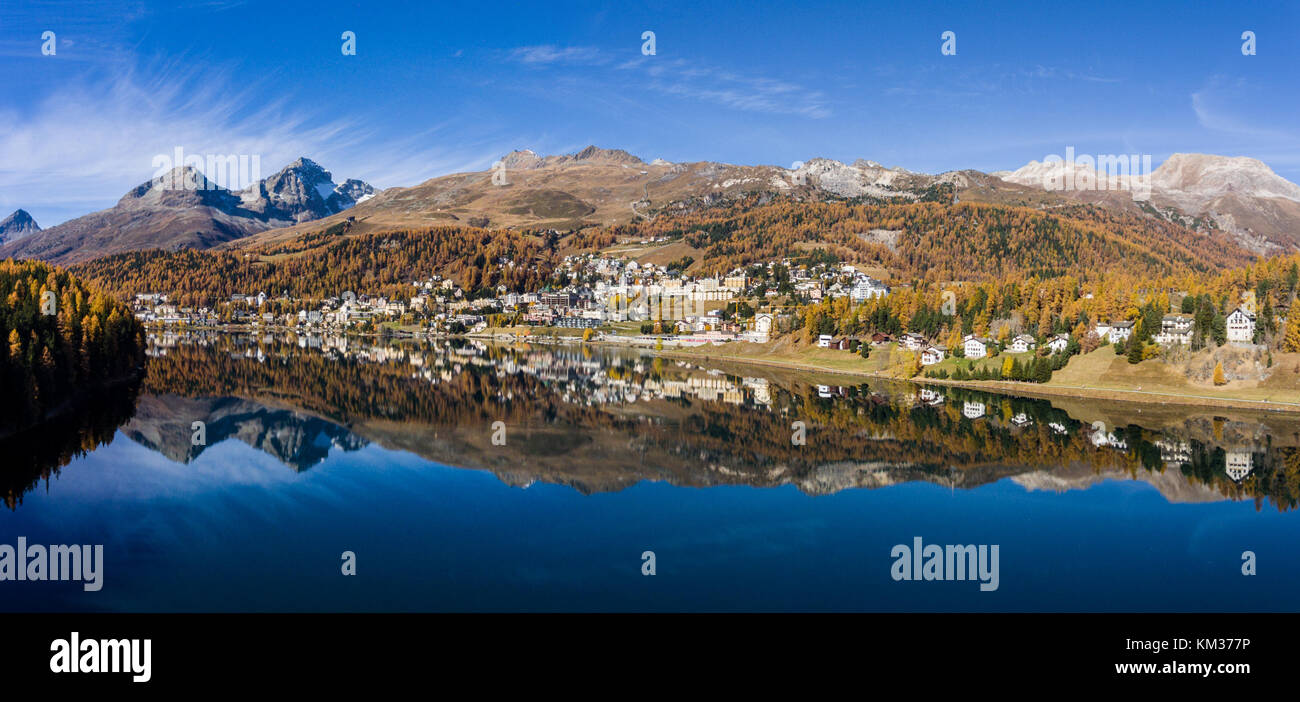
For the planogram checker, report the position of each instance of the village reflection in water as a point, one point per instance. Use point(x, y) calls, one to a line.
point(600, 419)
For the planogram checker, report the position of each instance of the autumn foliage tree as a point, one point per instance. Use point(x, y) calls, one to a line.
point(61, 338)
point(1291, 341)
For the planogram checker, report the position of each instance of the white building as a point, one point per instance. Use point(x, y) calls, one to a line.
point(1241, 326)
point(973, 410)
point(932, 355)
point(1115, 332)
point(912, 342)
point(976, 347)
point(1022, 343)
point(865, 288)
point(824, 341)
point(1059, 343)
point(1239, 464)
point(1175, 329)
point(931, 397)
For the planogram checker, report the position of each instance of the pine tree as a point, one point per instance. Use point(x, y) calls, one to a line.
point(1135, 351)
point(1042, 371)
point(1218, 374)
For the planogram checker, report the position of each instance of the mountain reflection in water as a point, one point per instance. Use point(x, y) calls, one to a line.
point(599, 420)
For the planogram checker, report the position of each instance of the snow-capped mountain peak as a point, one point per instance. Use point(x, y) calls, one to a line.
point(304, 191)
point(17, 225)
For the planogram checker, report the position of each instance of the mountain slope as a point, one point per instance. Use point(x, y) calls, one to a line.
point(182, 209)
point(912, 241)
point(1241, 196)
point(602, 187)
point(598, 187)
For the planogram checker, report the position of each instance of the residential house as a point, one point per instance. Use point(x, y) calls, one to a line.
point(931, 397)
point(1175, 329)
point(976, 347)
point(1241, 326)
point(912, 342)
point(1115, 332)
point(932, 355)
point(1022, 343)
point(1059, 343)
point(1238, 464)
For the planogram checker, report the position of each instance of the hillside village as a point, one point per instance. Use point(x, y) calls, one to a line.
point(614, 299)
point(598, 292)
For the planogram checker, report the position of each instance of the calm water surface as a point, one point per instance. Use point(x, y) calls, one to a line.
point(319, 446)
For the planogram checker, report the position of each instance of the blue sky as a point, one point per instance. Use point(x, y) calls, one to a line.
point(438, 88)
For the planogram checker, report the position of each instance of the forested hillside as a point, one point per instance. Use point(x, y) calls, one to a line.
point(1040, 306)
point(913, 241)
point(936, 241)
point(60, 339)
point(322, 264)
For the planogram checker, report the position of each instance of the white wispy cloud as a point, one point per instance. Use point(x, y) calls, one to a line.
point(85, 144)
point(549, 54)
point(1217, 107)
point(1243, 118)
point(683, 79)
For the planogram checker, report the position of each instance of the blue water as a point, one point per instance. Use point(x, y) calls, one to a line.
point(236, 530)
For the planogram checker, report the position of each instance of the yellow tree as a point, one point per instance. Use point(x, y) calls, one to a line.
point(1045, 322)
point(954, 337)
point(1291, 341)
point(1218, 374)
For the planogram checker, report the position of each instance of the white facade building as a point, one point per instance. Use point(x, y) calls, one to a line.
point(1241, 326)
point(1022, 343)
point(1175, 329)
point(976, 347)
point(1115, 332)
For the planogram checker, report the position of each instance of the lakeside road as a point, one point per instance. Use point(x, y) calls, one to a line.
point(1006, 387)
